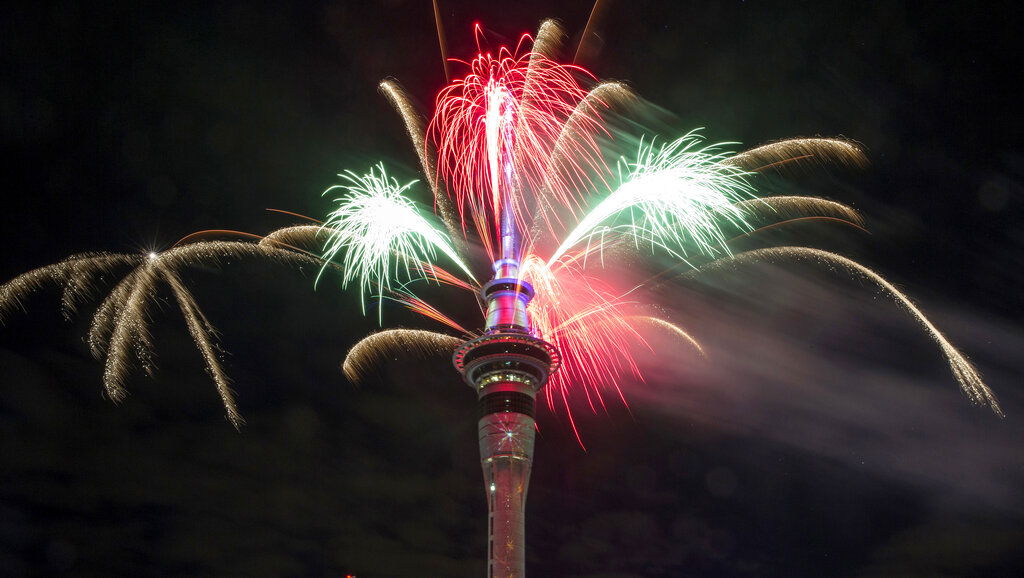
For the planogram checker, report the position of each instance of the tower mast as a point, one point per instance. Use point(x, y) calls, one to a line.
point(507, 366)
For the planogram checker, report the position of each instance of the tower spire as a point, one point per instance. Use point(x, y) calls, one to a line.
point(507, 366)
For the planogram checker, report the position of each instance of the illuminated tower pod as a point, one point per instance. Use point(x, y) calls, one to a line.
point(507, 366)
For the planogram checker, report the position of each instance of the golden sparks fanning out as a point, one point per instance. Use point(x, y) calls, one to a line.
point(119, 332)
point(965, 373)
point(794, 152)
point(379, 347)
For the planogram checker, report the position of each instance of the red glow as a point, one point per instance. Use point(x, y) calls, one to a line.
point(589, 324)
point(497, 137)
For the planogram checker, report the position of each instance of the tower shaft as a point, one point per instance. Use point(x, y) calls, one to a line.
point(506, 455)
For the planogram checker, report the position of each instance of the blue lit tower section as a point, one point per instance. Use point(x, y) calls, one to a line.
point(507, 366)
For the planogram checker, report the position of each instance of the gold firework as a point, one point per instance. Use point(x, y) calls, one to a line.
point(392, 343)
point(965, 373)
point(119, 333)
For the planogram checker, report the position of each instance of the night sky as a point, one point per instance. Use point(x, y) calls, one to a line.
point(823, 436)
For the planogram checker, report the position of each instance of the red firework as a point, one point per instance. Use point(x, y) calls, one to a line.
point(502, 139)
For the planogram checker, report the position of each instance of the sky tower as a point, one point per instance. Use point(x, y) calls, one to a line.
point(506, 366)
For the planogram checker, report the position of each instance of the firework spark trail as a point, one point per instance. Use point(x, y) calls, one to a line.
point(375, 221)
point(435, 273)
point(301, 238)
point(784, 210)
point(677, 199)
point(119, 329)
point(548, 43)
point(76, 273)
point(789, 207)
point(798, 151)
point(440, 41)
point(613, 96)
point(104, 320)
point(377, 348)
point(474, 130)
point(216, 253)
point(417, 305)
point(416, 127)
point(586, 321)
point(596, 14)
point(202, 333)
point(128, 328)
point(671, 328)
point(544, 51)
point(81, 273)
point(966, 375)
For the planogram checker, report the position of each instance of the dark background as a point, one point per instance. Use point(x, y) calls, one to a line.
point(823, 437)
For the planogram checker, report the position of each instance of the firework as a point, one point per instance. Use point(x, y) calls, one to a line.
point(965, 373)
point(513, 155)
point(378, 347)
point(514, 143)
point(795, 152)
point(677, 198)
point(119, 332)
point(495, 132)
point(373, 222)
